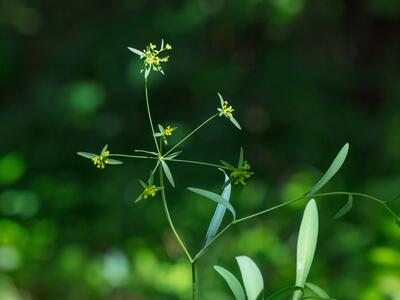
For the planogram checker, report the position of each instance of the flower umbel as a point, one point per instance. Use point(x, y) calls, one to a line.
point(150, 191)
point(151, 56)
point(241, 174)
point(169, 130)
point(227, 111)
point(101, 160)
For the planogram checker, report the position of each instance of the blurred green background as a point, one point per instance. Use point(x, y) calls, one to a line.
point(303, 76)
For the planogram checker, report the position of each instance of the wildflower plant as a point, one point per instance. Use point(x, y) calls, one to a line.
point(164, 155)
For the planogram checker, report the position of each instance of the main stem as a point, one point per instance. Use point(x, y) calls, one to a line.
point(167, 214)
point(194, 281)
point(149, 114)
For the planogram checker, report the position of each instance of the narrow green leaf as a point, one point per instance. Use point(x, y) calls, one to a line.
point(333, 169)
point(148, 152)
point(140, 197)
point(147, 72)
point(241, 159)
point(142, 183)
point(114, 161)
point(234, 122)
point(317, 290)
point(306, 244)
point(221, 100)
point(168, 173)
point(104, 149)
point(227, 165)
point(162, 44)
point(219, 213)
point(345, 209)
point(160, 128)
point(136, 51)
point(284, 293)
point(86, 154)
point(173, 155)
point(251, 276)
point(232, 282)
point(214, 197)
point(158, 134)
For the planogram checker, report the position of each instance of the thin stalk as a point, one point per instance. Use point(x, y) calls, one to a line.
point(149, 114)
point(190, 134)
point(194, 281)
point(167, 214)
point(199, 163)
point(131, 156)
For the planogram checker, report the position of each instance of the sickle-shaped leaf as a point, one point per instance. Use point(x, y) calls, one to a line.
point(214, 197)
point(306, 244)
point(86, 154)
point(168, 173)
point(251, 276)
point(317, 290)
point(136, 51)
point(283, 293)
point(219, 213)
point(232, 282)
point(345, 209)
point(335, 166)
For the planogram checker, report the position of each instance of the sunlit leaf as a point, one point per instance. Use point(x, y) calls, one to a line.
point(306, 244)
point(86, 154)
point(317, 290)
point(335, 166)
point(214, 197)
point(104, 149)
point(234, 122)
point(345, 209)
point(284, 293)
point(168, 173)
point(221, 100)
point(251, 276)
point(114, 161)
point(219, 213)
point(148, 152)
point(232, 282)
point(136, 51)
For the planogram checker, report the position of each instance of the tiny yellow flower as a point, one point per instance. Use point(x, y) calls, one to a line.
point(168, 131)
point(168, 47)
point(241, 174)
point(101, 160)
point(150, 191)
point(227, 110)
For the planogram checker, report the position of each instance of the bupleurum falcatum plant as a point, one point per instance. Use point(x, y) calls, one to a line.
point(164, 154)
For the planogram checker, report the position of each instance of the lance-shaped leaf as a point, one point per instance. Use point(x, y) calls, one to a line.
point(232, 282)
point(317, 290)
point(86, 154)
point(284, 293)
point(335, 166)
point(345, 209)
point(234, 122)
point(219, 213)
point(168, 173)
point(136, 51)
point(251, 276)
point(306, 244)
point(111, 161)
point(214, 197)
point(104, 149)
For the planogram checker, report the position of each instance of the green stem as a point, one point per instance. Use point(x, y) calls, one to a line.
point(194, 281)
point(199, 163)
point(361, 195)
point(167, 214)
point(149, 114)
point(131, 156)
point(190, 134)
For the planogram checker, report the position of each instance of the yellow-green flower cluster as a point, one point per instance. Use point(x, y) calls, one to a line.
point(226, 110)
point(169, 130)
point(100, 161)
point(241, 174)
point(150, 191)
point(152, 58)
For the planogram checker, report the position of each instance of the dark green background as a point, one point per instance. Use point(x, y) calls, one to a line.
point(303, 76)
